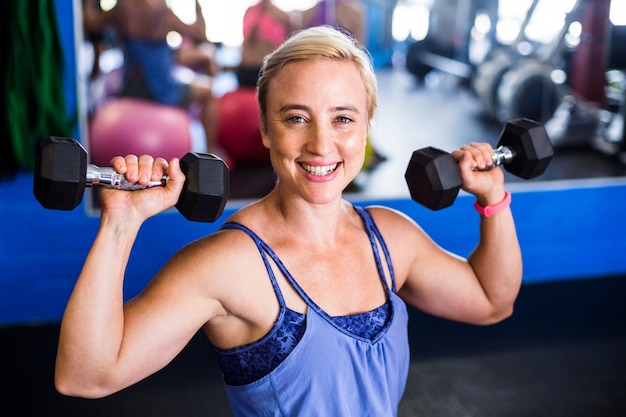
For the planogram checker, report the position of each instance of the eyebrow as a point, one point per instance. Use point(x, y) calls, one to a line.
point(289, 107)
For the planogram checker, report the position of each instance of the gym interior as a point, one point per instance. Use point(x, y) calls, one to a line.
point(449, 72)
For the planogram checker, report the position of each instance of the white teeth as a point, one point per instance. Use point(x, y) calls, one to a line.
point(319, 170)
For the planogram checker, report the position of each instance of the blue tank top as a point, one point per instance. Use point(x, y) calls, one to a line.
point(325, 368)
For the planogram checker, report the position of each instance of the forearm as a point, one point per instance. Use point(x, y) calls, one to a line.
point(92, 328)
point(497, 262)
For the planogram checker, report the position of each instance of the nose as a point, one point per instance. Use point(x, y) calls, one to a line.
point(320, 140)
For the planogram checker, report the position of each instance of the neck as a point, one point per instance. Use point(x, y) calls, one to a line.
point(317, 224)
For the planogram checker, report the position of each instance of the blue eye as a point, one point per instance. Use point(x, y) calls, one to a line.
point(296, 119)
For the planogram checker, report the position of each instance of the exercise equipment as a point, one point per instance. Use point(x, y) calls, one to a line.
point(62, 173)
point(593, 114)
point(446, 45)
point(238, 126)
point(527, 87)
point(616, 95)
point(528, 90)
point(434, 179)
point(488, 75)
point(415, 58)
point(124, 126)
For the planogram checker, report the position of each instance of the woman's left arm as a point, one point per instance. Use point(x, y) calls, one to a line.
point(482, 288)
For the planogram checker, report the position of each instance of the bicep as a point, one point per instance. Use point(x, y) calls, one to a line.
point(445, 285)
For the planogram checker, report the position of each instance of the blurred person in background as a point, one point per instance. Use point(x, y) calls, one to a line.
point(149, 62)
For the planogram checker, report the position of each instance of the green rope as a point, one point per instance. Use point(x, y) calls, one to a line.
point(36, 105)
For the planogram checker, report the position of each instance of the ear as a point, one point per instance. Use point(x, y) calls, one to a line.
point(265, 138)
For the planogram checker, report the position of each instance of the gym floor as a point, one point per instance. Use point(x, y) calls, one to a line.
point(562, 353)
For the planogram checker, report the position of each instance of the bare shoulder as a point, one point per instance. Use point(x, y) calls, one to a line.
point(225, 266)
point(225, 253)
point(399, 231)
point(230, 269)
point(405, 239)
point(220, 252)
point(391, 219)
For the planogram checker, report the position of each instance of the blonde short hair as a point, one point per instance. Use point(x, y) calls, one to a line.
point(320, 42)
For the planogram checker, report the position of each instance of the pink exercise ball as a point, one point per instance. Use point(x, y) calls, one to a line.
point(128, 126)
point(238, 126)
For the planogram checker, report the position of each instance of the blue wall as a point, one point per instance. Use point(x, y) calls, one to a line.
point(567, 231)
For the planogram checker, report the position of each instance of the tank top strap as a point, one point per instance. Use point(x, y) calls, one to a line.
point(264, 250)
point(376, 239)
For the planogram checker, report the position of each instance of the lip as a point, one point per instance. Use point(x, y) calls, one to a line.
point(320, 172)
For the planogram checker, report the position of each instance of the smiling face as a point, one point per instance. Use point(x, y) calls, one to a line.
point(317, 123)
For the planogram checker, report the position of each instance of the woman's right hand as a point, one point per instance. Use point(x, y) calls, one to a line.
point(141, 204)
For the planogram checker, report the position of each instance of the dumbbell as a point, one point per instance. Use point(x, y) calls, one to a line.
point(434, 178)
point(62, 173)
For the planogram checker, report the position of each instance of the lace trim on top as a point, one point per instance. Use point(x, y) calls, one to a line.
point(246, 364)
point(365, 325)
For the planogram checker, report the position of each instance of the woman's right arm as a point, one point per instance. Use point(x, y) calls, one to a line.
point(92, 357)
point(92, 325)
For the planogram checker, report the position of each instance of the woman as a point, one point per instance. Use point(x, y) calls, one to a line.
point(301, 293)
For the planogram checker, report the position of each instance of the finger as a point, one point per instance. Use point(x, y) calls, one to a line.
point(146, 167)
point(119, 164)
point(159, 169)
point(466, 161)
point(174, 171)
point(481, 154)
point(486, 154)
point(132, 167)
point(176, 176)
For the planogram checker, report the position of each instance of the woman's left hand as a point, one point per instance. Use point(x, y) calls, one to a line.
point(479, 174)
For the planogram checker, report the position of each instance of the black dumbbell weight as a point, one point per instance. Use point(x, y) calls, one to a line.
point(434, 179)
point(62, 173)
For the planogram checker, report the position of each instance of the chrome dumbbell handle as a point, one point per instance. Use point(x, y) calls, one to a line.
point(501, 155)
point(107, 177)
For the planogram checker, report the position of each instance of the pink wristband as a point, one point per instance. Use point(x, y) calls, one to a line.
point(489, 211)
